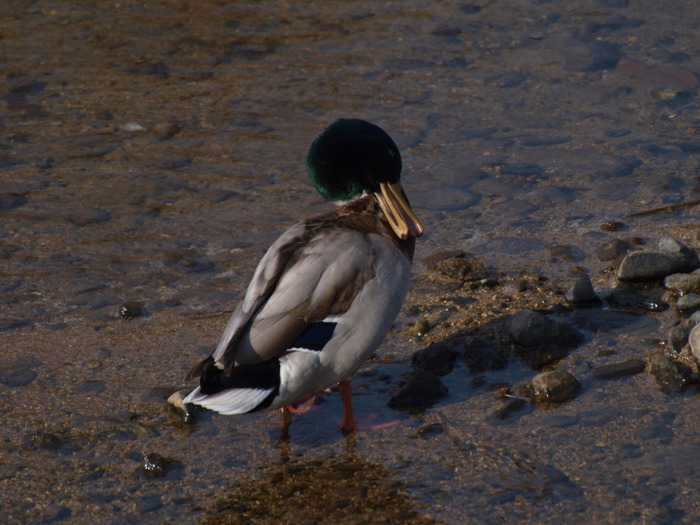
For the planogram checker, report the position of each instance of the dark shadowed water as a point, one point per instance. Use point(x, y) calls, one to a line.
point(151, 151)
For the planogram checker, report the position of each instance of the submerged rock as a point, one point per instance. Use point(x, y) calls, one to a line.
point(678, 337)
point(437, 358)
point(632, 301)
point(612, 249)
point(17, 376)
point(422, 390)
point(554, 386)
point(624, 368)
point(670, 375)
point(539, 339)
point(481, 355)
point(529, 328)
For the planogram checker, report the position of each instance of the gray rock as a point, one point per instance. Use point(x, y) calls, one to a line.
point(672, 245)
point(532, 329)
point(678, 337)
point(683, 282)
point(581, 294)
point(695, 318)
point(694, 341)
point(624, 368)
point(422, 390)
point(670, 375)
point(554, 386)
point(650, 265)
point(689, 303)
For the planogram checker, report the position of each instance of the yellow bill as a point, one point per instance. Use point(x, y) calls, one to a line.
point(397, 211)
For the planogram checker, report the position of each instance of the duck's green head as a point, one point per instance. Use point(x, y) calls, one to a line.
point(352, 157)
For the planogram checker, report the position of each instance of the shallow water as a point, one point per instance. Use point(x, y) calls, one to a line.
point(151, 153)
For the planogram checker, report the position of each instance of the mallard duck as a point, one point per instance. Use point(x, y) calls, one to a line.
point(327, 291)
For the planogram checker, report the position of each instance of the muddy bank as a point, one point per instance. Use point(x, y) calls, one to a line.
point(149, 154)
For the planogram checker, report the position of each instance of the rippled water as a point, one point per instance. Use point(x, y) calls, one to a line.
point(151, 153)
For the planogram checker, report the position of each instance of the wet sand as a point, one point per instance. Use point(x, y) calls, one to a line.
point(151, 153)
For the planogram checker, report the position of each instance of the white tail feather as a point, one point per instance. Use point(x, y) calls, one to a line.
point(230, 402)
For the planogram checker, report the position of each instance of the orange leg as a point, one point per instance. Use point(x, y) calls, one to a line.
point(283, 440)
point(348, 424)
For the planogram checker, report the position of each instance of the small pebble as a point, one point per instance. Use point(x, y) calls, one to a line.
point(624, 368)
point(612, 226)
point(154, 465)
point(554, 386)
point(132, 126)
point(420, 328)
point(130, 309)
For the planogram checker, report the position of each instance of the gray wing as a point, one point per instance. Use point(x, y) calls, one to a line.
point(310, 273)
